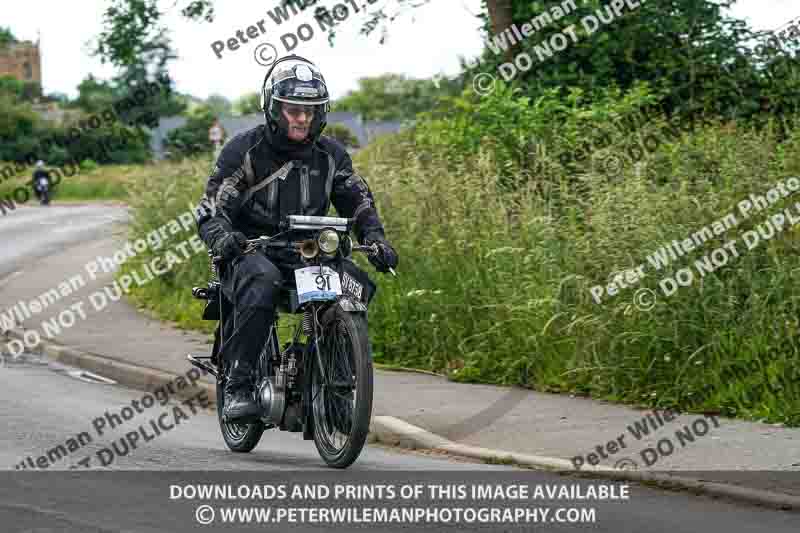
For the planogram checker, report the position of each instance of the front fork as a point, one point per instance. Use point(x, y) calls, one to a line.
point(313, 355)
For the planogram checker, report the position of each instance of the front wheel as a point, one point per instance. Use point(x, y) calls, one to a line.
point(341, 387)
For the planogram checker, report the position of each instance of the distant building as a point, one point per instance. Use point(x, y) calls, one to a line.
point(54, 113)
point(364, 131)
point(22, 60)
point(378, 128)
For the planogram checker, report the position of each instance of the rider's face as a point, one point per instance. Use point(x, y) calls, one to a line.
point(299, 118)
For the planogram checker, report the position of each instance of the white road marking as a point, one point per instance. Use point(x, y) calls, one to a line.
point(5, 281)
point(90, 377)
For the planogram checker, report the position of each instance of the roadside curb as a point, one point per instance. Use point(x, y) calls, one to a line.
point(395, 432)
point(135, 376)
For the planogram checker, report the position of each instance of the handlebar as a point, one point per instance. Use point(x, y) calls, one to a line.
point(252, 244)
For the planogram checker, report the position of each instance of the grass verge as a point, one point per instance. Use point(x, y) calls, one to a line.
point(90, 182)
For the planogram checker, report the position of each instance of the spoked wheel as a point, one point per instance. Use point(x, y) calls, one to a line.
point(239, 437)
point(341, 388)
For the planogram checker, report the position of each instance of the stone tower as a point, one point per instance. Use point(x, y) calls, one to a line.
point(22, 60)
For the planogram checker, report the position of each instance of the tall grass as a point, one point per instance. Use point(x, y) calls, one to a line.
point(157, 198)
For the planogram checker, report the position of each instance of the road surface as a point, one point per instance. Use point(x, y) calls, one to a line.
point(92, 477)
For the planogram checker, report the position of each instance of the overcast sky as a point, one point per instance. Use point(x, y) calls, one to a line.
point(421, 43)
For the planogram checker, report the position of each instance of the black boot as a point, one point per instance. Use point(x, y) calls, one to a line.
point(240, 403)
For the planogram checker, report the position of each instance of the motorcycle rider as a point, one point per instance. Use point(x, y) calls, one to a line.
point(280, 168)
point(39, 174)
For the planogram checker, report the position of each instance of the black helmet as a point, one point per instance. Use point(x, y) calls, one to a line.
point(294, 80)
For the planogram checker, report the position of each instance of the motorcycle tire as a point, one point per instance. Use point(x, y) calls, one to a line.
point(346, 354)
point(240, 438)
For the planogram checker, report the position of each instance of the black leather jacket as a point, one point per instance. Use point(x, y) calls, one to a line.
point(254, 186)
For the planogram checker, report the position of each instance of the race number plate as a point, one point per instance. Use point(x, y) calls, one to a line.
point(316, 284)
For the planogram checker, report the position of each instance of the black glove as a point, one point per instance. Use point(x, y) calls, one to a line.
point(386, 257)
point(231, 245)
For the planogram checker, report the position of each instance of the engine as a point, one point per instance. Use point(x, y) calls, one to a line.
point(274, 391)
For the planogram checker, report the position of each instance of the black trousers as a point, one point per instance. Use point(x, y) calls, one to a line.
point(251, 284)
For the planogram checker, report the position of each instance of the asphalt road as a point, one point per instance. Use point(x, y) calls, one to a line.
point(46, 404)
point(28, 233)
point(61, 419)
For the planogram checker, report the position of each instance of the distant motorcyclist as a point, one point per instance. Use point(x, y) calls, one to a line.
point(41, 183)
point(262, 175)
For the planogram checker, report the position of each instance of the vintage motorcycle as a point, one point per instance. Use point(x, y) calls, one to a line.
point(323, 386)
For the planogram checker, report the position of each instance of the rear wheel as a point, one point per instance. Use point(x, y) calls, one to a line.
point(239, 437)
point(341, 388)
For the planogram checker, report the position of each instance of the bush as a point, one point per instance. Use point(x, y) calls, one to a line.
point(26, 91)
point(19, 127)
point(26, 138)
point(343, 134)
point(191, 139)
point(87, 165)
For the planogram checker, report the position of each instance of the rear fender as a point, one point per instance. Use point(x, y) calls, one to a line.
point(346, 303)
point(349, 304)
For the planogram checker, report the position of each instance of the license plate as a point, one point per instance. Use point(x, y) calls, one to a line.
point(314, 283)
point(351, 286)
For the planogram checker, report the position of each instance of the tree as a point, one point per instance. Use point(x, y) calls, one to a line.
point(133, 37)
point(500, 17)
point(689, 50)
point(343, 134)
point(248, 104)
point(25, 91)
point(6, 37)
point(133, 27)
point(95, 96)
point(218, 106)
point(191, 138)
point(134, 40)
point(19, 126)
point(390, 97)
point(61, 99)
